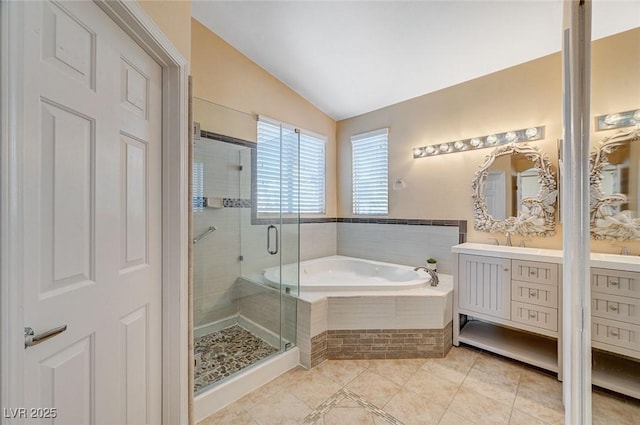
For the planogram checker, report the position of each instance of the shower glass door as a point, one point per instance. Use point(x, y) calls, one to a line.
point(270, 236)
point(245, 243)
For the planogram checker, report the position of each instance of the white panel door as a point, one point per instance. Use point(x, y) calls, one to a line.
point(495, 196)
point(92, 218)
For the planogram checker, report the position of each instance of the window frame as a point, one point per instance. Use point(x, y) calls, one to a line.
point(357, 202)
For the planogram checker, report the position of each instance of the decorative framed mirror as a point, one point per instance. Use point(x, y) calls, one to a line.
point(615, 186)
point(514, 192)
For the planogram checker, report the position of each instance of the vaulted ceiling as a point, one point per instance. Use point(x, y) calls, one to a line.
point(351, 57)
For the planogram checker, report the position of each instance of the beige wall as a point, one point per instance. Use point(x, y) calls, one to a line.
point(526, 95)
point(224, 76)
point(615, 87)
point(174, 19)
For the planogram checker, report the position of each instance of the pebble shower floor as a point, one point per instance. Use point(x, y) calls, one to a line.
point(225, 352)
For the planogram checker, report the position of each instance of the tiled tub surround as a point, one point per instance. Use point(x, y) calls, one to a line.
point(366, 344)
point(406, 244)
point(422, 315)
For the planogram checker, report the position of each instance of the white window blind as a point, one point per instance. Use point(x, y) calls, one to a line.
point(370, 162)
point(285, 176)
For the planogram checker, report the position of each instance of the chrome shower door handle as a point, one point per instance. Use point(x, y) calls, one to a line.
point(30, 339)
point(269, 250)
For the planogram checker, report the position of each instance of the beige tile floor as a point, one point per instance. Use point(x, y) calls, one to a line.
point(467, 387)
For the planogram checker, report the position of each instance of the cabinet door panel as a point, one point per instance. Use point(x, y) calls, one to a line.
point(484, 285)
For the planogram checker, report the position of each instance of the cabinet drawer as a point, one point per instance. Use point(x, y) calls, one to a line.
point(534, 315)
point(613, 307)
point(536, 272)
point(615, 282)
point(534, 293)
point(613, 332)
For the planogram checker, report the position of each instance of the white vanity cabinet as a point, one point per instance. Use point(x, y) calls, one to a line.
point(615, 329)
point(615, 311)
point(506, 300)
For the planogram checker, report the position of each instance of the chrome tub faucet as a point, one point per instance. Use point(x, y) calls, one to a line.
point(434, 275)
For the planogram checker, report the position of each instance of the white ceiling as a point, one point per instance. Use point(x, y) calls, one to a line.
point(351, 57)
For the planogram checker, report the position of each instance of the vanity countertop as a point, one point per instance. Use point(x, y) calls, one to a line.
point(513, 252)
point(605, 261)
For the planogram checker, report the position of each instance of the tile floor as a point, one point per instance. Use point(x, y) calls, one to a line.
point(467, 387)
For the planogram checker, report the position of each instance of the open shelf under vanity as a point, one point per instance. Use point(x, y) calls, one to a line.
point(526, 347)
point(616, 373)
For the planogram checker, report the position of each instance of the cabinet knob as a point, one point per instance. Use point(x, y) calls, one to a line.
point(613, 308)
point(614, 283)
point(614, 332)
point(532, 315)
point(506, 269)
point(533, 293)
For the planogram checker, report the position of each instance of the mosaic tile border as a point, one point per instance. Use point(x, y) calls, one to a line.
point(236, 203)
point(333, 401)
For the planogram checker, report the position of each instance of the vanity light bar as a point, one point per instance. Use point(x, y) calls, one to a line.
point(618, 120)
point(515, 136)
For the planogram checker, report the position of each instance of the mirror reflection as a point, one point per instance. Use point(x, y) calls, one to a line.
point(615, 187)
point(514, 192)
point(510, 179)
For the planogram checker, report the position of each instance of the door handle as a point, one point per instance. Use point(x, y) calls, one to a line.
point(269, 250)
point(30, 339)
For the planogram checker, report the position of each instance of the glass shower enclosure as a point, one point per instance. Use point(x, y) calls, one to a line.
point(245, 229)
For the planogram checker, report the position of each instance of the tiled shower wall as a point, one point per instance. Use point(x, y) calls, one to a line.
point(216, 257)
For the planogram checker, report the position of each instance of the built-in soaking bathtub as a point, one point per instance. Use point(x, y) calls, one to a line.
point(338, 273)
point(352, 308)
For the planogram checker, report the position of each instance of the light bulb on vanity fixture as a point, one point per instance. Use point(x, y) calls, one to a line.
point(475, 142)
point(514, 136)
point(511, 136)
point(492, 140)
point(618, 120)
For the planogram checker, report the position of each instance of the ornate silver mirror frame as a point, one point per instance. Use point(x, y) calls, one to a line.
point(607, 222)
point(537, 215)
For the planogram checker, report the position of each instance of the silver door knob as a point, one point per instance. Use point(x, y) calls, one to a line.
point(31, 339)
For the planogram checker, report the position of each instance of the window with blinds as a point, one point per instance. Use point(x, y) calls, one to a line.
point(370, 162)
point(285, 176)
